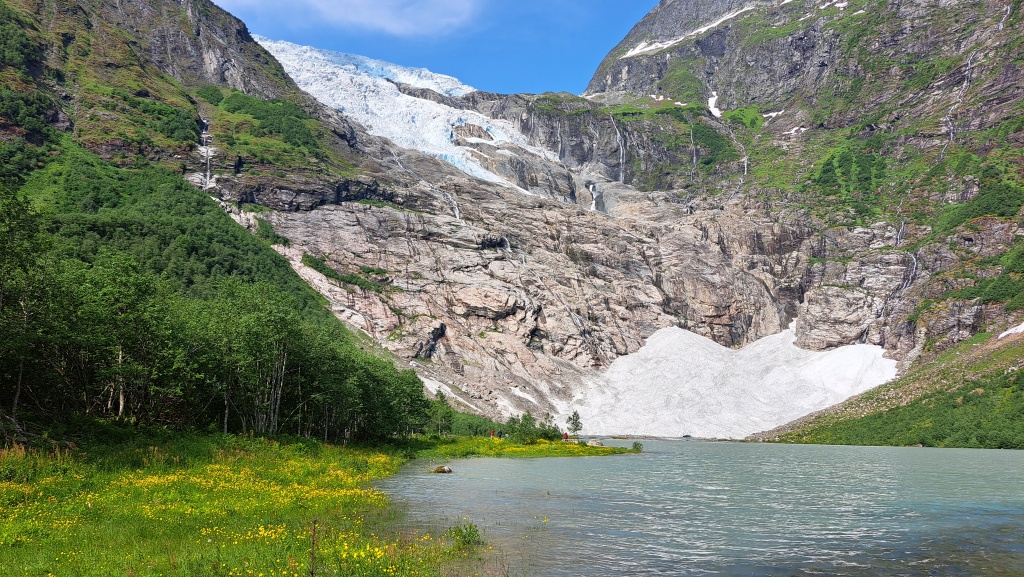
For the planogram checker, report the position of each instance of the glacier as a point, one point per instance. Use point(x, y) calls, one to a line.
point(680, 383)
point(364, 89)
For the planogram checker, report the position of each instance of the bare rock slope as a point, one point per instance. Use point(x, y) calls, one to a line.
point(735, 167)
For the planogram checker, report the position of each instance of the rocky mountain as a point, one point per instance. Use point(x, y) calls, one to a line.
point(733, 167)
point(853, 167)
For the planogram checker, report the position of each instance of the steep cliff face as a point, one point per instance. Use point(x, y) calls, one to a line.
point(732, 167)
point(543, 279)
point(196, 43)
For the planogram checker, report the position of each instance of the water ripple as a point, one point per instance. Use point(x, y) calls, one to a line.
point(731, 509)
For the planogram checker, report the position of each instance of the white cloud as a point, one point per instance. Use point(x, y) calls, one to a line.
point(395, 17)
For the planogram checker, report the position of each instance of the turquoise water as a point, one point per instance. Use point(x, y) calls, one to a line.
point(705, 508)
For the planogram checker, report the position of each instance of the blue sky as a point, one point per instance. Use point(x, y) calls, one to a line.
point(503, 46)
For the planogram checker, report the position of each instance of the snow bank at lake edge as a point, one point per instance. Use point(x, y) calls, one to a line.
point(680, 384)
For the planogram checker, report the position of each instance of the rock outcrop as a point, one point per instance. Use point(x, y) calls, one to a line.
point(685, 190)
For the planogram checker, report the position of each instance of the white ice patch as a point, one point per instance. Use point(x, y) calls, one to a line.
point(681, 383)
point(360, 88)
point(1014, 331)
point(434, 386)
point(361, 65)
point(771, 115)
point(711, 105)
point(523, 394)
point(651, 47)
point(795, 130)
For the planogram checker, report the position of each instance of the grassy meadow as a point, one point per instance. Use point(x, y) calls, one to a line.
point(223, 505)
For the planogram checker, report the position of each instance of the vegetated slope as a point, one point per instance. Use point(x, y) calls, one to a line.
point(125, 291)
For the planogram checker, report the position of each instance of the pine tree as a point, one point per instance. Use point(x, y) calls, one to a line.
point(575, 425)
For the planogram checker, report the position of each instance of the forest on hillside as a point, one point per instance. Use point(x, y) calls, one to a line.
point(126, 293)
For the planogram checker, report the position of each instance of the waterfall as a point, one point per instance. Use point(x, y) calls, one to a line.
point(693, 146)
point(900, 233)
point(596, 197)
point(559, 140)
point(455, 205)
point(908, 279)
point(911, 276)
point(205, 139)
point(622, 152)
point(959, 98)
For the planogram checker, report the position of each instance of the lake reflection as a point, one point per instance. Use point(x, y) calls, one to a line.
point(704, 508)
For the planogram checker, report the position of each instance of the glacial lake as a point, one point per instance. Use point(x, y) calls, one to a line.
point(750, 509)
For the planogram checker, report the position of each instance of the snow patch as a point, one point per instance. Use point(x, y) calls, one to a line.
point(1014, 331)
point(650, 47)
point(795, 130)
point(681, 383)
point(362, 89)
point(711, 105)
point(771, 115)
point(523, 394)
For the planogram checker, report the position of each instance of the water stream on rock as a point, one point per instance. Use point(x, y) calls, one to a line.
point(706, 508)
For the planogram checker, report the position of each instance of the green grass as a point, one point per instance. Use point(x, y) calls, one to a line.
point(382, 204)
point(461, 447)
point(562, 104)
point(152, 504)
point(199, 506)
point(681, 84)
point(986, 413)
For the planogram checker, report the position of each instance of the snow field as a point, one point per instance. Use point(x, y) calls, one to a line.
point(681, 383)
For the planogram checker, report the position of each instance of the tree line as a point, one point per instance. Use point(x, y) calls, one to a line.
point(126, 294)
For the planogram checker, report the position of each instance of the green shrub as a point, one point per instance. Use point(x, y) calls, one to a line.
point(266, 232)
point(466, 535)
point(320, 265)
point(526, 430)
point(17, 50)
point(748, 117)
point(211, 94)
point(1001, 198)
point(274, 117)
